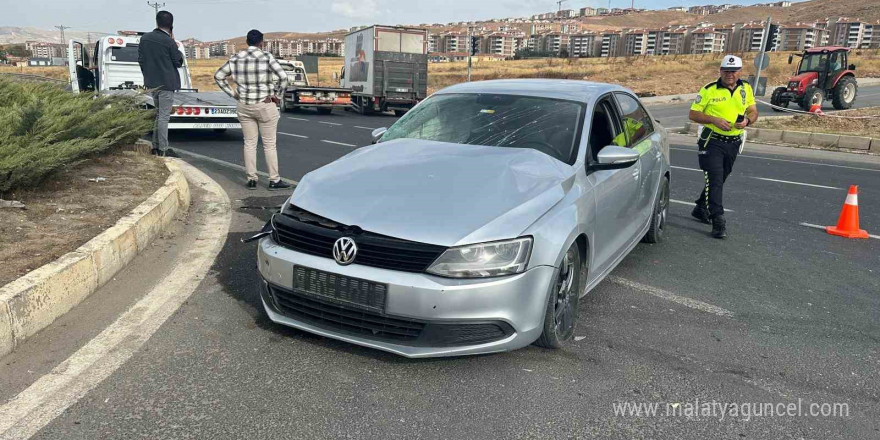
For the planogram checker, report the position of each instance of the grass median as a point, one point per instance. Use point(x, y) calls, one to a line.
point(864, 122)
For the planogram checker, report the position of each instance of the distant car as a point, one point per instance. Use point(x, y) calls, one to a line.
point(474, 224)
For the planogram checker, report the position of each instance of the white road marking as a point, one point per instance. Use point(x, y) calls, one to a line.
point(338, 143)
point(293, 135)
point(50, 395)
point(682, 202)
point(365, 128)
point(810, 225)
point(876, 170)
point(297, 119)
point(669, 296)
point(796, 183)
point(329, 123)
point(228, 164)
point(685, 168)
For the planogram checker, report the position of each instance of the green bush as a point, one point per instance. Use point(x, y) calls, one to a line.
point(44, 128)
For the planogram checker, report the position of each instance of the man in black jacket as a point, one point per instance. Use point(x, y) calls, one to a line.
point(160, 58)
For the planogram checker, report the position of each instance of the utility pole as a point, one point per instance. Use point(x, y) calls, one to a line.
point(62, 28)
point(468, 47)
point(155, 6)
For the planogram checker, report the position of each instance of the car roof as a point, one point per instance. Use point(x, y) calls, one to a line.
point(572, 90)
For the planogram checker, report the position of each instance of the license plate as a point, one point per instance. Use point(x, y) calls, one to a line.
point(341, 289)
point(215, 125)
point(221, 111)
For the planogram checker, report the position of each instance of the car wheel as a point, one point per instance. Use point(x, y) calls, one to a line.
point(561, 313)
point(658, 219)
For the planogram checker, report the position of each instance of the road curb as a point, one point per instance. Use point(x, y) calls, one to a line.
point(805, 139)
point(35, 300)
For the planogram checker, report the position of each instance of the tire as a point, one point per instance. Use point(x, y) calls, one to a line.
point(561, 312)
point(324, 110)
point(399, 113)
point(812, 96)
point(844, 94)
point(776, 99)
point(282, 106)
point(658, 215)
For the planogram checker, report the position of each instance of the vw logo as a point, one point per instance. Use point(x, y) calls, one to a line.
point(344, 251)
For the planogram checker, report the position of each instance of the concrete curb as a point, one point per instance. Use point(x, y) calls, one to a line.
point(803, 139)
point(32, 302)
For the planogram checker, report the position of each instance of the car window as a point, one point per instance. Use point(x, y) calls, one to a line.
point(548, 125)
point(127, 54)
point(635, 121)
point(603, 130)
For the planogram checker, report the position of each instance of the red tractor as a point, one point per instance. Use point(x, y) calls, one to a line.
point(822, 74)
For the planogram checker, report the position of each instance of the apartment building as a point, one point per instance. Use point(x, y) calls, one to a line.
point(672, 41)
point(583, 45)
point(611, 44)
point(848, 33)
point(797, 37)
point(587, 12)
point(677, 9)
point(730, 33)
point(707, 40)
point(453, 42)
point(750, 38)
point(635, 43)
point(871, 36)
point(41, 49)
point(555, 42)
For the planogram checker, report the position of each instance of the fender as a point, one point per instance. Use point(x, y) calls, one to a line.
point(841, 75)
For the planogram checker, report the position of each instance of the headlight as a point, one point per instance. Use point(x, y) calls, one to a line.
point(484, 260)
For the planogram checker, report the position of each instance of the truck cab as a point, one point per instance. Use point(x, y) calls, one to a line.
point(112, 68)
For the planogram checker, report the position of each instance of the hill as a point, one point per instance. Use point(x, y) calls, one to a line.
point(18, 35)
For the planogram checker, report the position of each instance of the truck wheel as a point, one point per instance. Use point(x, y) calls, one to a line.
point(813, 96)
point(844, 94)
point(324, 110)
point(282, 107)
point(776, 99)
point(399, 113)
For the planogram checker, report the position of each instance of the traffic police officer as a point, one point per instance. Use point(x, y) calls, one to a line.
point(725, 108)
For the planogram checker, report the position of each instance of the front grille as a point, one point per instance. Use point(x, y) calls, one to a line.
point(344, 319)
point(305, 232)
point(379, 326)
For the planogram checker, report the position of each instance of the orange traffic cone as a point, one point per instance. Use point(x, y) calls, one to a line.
point(817, 109)
point(848, 223)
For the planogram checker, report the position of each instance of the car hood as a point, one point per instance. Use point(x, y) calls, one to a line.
point(436, 192)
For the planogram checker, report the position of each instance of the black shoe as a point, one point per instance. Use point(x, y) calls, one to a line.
point(719, 227)
point(155, 152)
point(252, 184)
point(170, 153)
point(275, 186)
point(701, 214)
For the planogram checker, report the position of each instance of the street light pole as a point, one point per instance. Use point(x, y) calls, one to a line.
point(468, 47)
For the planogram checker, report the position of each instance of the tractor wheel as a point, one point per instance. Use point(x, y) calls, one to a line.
point(776, 99)
point(844, 94)
point(813, 96)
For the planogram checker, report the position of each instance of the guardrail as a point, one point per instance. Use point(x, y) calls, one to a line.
point(32, 77)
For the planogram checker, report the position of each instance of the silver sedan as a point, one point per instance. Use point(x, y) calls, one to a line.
point(474, 224)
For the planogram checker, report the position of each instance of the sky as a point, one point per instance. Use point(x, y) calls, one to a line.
point(209, 20)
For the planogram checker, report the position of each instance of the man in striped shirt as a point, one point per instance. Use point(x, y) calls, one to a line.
point(260, 83)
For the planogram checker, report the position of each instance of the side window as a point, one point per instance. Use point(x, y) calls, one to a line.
point(635, 121)
point(602, 128)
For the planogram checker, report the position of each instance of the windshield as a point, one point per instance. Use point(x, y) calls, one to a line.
point(814, 63)
point(298, 74)
point(547, 125)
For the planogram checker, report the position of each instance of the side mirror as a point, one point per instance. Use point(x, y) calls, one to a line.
point(377, 134)
point(790, 58)
point(614, 157)
point(852, 67)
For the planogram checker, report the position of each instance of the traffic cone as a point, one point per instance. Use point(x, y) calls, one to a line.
point(816, 109)
point(848, 223)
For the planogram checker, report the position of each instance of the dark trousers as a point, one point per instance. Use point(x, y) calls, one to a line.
point(716, 161)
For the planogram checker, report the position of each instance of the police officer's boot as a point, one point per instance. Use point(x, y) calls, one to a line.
point(700, 213)
point(719, 227)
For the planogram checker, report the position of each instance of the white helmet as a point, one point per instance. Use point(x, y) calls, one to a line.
point(731, 62)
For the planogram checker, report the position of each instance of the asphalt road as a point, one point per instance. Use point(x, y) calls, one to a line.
point(675, 115)
point(794, 319)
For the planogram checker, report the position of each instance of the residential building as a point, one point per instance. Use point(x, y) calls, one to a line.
point(611, 44)
point(672, 41)
point(566, 13)
point(40, 49)
point(499, 44)
point(707, 40)
point(871, 36)
point(434, 41)
point(587, 12)
point(678, 9)
point(555, 42)
point(583, 45)
point(635, 43)
point(848, 33)
point(797, 37)
point(698, 10)
point(750, 38)
point(602, 11)
point(453, 42)
point(730, 33)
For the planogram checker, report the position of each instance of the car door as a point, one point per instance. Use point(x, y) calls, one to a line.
point(641, 136)
point(616, 190)
point(77, 64)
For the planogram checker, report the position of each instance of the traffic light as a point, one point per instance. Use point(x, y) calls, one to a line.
point(771, 37)
point(475, 45)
